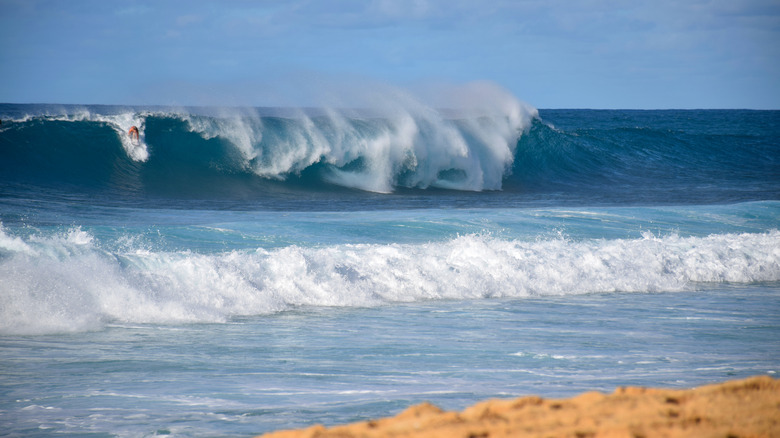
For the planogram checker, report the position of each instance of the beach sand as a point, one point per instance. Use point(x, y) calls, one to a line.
point(739, 408)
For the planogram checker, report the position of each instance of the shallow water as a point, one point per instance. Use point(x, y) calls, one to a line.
point(335, 365)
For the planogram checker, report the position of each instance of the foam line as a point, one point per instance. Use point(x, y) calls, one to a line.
point(68, 282)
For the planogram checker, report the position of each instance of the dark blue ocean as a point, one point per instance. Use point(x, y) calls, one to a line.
point(242, 270)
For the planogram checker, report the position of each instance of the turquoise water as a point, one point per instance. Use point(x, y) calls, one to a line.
point(255, 269)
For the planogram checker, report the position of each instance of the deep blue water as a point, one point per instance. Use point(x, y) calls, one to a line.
point(243, 270)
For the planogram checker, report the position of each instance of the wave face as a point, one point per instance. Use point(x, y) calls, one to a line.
point(206, 153)
point(655, 156)
point(71, 281)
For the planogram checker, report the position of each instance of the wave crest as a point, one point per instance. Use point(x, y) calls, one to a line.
point(399, 142)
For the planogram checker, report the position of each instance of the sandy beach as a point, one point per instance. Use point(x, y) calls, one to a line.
point(739, 408)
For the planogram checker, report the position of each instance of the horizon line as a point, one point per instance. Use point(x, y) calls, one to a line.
point(322, 107)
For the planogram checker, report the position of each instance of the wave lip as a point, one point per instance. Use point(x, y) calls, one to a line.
point(69, 282)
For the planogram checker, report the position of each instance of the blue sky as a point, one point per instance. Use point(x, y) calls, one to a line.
point(549, 53)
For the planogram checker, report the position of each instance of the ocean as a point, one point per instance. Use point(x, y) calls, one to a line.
point(243, 270)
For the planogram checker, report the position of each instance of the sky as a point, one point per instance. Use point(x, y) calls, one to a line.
point(627, 54)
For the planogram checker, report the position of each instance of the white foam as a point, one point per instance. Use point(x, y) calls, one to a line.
point(67, 282)
point(13, 245)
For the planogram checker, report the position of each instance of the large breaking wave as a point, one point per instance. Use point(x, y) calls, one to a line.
point(401, 142)
point(504, 145)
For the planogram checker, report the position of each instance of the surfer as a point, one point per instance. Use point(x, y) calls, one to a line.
point(133, 133)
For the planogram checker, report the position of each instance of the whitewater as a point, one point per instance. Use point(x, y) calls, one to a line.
point(241, 270)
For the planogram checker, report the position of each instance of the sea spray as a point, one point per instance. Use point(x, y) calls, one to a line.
point(397, 141)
